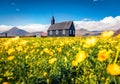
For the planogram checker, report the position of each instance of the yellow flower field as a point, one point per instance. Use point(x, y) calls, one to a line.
point(60, 60)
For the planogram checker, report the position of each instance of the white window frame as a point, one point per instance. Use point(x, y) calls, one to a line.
point(57, 32)
point(63, 32)
point(50, 32)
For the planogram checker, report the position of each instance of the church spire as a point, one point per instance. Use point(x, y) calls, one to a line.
point(52, 20)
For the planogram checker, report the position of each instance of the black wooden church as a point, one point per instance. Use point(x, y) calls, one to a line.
point(61, 29)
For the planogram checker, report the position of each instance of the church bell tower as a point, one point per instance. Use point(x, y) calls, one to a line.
point(52, 20)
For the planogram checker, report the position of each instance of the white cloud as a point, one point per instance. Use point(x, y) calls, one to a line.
point(29, 28)
point(34, 27)
point(4, 28)
point(111, 20)
point(86, 19)
point(108, 23)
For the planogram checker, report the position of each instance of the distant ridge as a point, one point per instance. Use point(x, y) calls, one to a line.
point(85, 32)
point(117, 32)
point(15, 32)
point(39, 33)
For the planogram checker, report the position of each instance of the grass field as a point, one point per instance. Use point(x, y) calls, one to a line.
point(60, 60)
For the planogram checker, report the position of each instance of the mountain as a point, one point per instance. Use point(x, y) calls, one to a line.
point(34, 33)
point(117, 32)
point(81, 32)
point(85, 32)
point(38, 34)
point(15, 32)
point(19, 32)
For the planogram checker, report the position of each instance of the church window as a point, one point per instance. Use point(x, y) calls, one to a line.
point(57, 32)
point(63, 31)
point(73, 32)
point(50, 32)
point(70, 32)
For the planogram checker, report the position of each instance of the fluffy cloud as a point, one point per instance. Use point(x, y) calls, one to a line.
point(34, 27)
point(108, 23)
point(29, 28)
point(4, 28)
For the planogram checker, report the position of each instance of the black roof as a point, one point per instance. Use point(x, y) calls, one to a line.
point(61, 25)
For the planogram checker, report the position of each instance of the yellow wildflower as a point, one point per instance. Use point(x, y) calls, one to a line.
point(52, 60)
point(27, 57)
point(90, 42)
point(81, 55)
point(103, 55)
point(16, 38)
point(10, 58)
point(67, 53)
point(5, 83)
point(107, 34)
point(59, 49)
point(23, 42)
point(41, 52)
point(46, 50)
point(90, 75)
point(11, 50)
point(74, 63)
point(65, 59)
point(62, 43)
point(19, 48)
point(118, 36)
point(45, 74)
point(73, 48)
point(113, 69)
point(6, 44)
point(51, 53)
point(32, 51)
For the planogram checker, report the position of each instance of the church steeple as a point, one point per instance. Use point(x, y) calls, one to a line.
point(52, 20)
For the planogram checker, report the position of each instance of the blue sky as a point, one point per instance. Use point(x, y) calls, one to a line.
point(35, 15)
point(23, 12)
